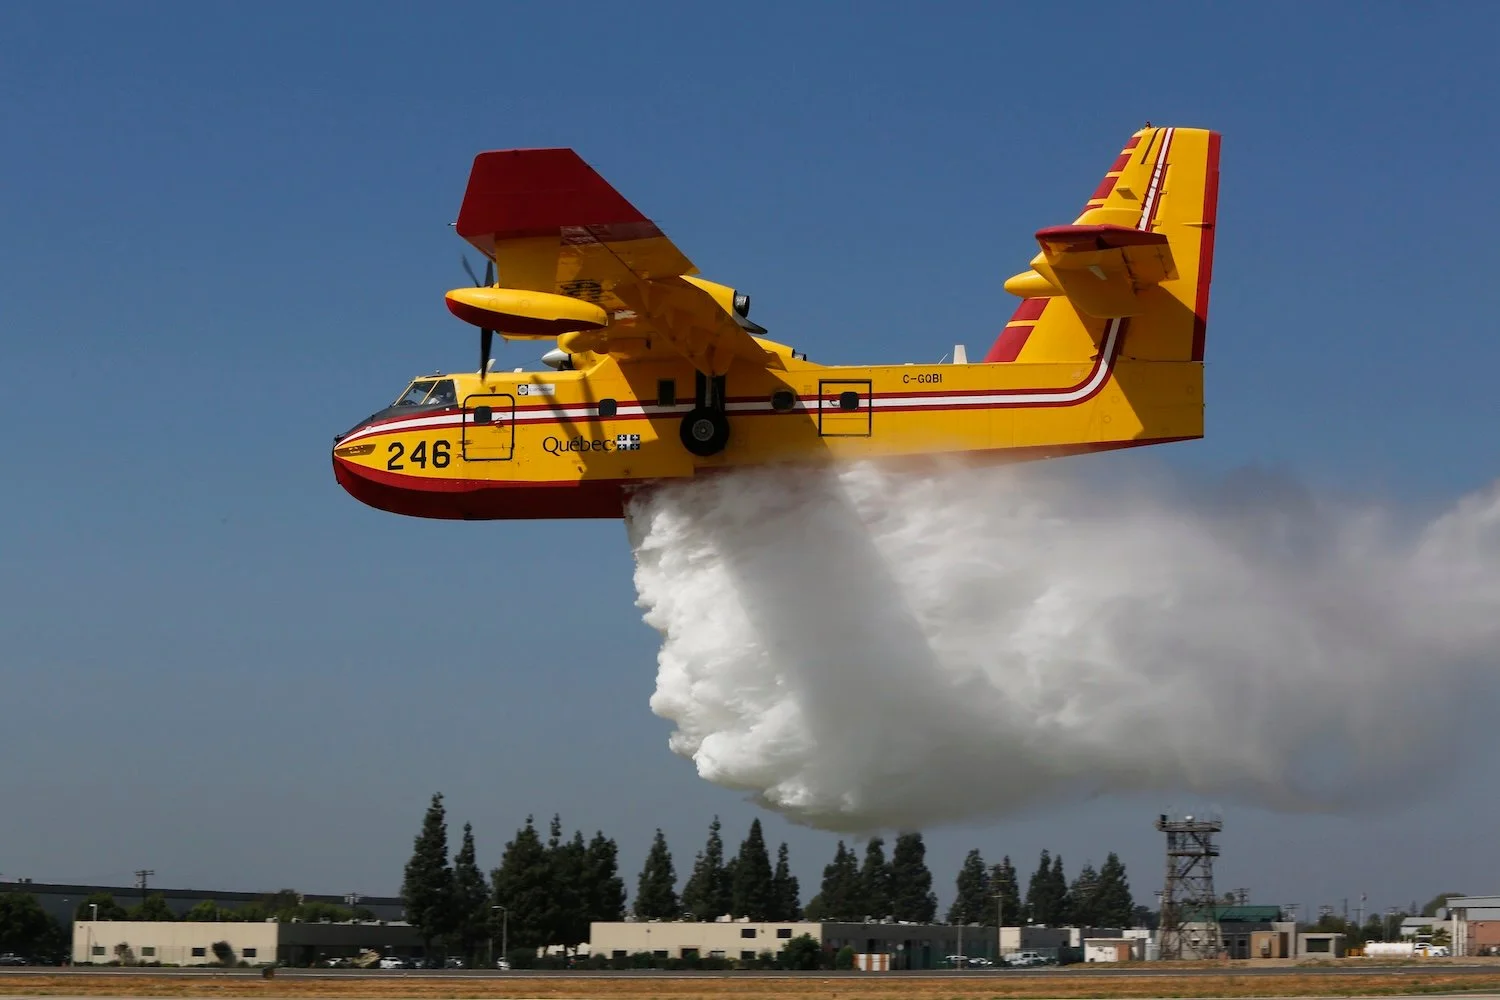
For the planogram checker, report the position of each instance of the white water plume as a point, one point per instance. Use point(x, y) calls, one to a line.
point(847, 644)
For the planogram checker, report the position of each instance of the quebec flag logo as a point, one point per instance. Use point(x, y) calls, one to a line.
point(627, 442)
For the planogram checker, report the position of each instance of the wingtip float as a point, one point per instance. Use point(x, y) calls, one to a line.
point(657, 373)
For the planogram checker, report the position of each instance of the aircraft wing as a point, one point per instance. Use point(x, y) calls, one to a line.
point(552, 224)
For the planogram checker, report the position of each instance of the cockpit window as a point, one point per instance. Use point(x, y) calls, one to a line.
point(428, 392)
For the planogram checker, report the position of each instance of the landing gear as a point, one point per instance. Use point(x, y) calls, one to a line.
point(705, 431)
point(705, 428)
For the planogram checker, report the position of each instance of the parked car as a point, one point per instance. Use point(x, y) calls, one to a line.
point(12, 959)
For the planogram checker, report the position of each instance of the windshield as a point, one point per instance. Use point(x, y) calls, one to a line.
point(428, 392)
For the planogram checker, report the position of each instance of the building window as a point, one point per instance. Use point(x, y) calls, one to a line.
point(98, 949)
point(148, 952)
point(618, 953)
point(783, 932)
point(747, 956)
point(659, 954)
point(247, 952)
point(1318, 944)
point(716, 954)
point(690, 953)
point(747, 932)
point(199, 952)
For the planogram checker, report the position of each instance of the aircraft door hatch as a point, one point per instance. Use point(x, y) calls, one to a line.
point(844, 408)
point(489, 428)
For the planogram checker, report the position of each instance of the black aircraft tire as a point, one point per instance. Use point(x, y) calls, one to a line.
point(704, 431)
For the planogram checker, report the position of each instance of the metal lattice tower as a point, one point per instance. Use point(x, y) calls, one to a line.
point(1189, 906)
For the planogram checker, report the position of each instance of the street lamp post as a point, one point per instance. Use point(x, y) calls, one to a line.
point(999, 924)
point(504, 931)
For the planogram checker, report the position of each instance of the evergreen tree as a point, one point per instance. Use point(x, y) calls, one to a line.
point(206, 911)
point(606, 890)
point(567, 921)
point(27, 929)
point(108, 908)
point(785, 894)
point(656, 890)
point(1008, 908)
point(971, 900)
point(912, 898)
point(1060, 892)
point(153, 907)
point(1083, 898)
point(1114, 907)
point(840, 894)
point(471, 899)
point(1044, 900)
point(874, 882)
point(427, 889)
point(522, 884)
point(752, 889)
point(707, 893)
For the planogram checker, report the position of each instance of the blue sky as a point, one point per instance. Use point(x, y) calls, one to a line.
point(226, 239)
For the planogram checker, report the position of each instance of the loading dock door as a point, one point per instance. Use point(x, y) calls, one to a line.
point(489, 432)
point(844, 408)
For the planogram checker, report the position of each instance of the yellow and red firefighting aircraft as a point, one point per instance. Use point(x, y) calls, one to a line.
point(658, 374)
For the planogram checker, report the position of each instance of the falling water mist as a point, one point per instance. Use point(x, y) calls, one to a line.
point(840, 643)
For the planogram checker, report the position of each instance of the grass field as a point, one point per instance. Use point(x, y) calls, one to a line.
point(873, 986)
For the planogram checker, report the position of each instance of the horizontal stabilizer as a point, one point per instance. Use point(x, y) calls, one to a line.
point(1103, 268)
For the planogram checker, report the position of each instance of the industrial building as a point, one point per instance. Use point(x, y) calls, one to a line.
point(1473, 924)
point(188, 942)
point(61, 901)
point(909, 946)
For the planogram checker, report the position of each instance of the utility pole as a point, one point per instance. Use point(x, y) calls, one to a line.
point(140, 881)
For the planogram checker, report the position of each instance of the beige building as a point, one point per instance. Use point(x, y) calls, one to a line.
point(910, 946)
point(144, 942)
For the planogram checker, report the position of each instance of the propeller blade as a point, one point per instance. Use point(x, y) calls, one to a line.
point(486, 338)
point(469, 268)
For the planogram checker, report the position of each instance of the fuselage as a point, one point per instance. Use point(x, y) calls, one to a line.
point(572, 443)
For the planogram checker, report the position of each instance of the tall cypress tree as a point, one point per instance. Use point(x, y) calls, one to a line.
point(971, 900)
point(875, 882)
point(427, 888)
point(523, 885)
point(706, 895)
point(785, 893)
point(606, 890)
point(1008, 908)
point(840, 893)
point(1060, 892)
point(1114, 907)
point(912, 897)
point(567, 921)
point(753, 895)
point(1043, 902)
point(471, 899)
point(656, 890)
point(1083, 898)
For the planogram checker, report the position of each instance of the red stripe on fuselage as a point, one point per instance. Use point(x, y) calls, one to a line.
point(1206, 247)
